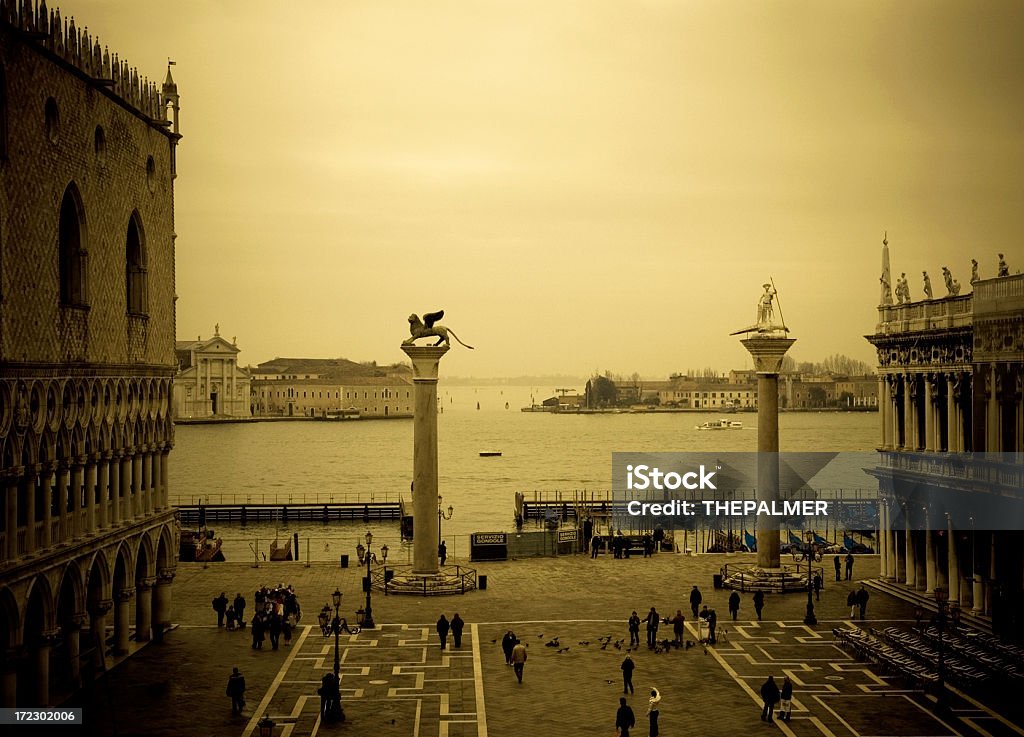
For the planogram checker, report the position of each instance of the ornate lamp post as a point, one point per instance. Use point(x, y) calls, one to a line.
point(335, 710)
point(368, 614)
point(942, 603)
point(809, 618)
point(384, 560)
point(336, 627)
point(442, 516)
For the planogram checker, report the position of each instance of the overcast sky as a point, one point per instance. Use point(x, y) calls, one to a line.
point(579, 185)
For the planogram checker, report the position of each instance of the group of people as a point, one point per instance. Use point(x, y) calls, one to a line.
point(621, 545)
point(515, 653)
point(276, 614)
point(455, 625)
point(858, 602)
point(625, 719)
point(771, 695)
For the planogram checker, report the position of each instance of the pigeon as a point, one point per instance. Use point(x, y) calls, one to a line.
point(584, 642)
point(604, 646)
point(564, 649)
point(552, 643)
point(541, 634)
point(493, 641)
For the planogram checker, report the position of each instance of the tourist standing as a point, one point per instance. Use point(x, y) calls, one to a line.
point(595, 544)
point(849, 566)
point(734, 605)
point(457, 624)
point(627, 674)
point(442, 630)
point(220, 605)
point(275, 630)
point(508, 642)
point(837, 564)
point(817, 587)
point(519, 660)
point(653, 712)
point(236, 690)
point(770, 697)
point(287, 625)
point(258, 631)
point(851, 601)
point(862, 600)
point(624, 719)
point(634, 630)
point(678, 624)
point(786, 700)
point(712, 623)
point(230, 617)
point(653, 620)
point(758, 603)
point(695, 600)
point(239, 603)
point(442, 552)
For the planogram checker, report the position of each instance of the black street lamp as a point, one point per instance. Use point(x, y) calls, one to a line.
point(336, 626)
point(442, 516)
point(942, 611)
point(384, 561)
point(368, 614)
point(334, 709)
point(809, 618)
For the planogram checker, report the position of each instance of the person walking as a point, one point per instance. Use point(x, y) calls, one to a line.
point(508, 642)
point(258, 631)
point(653, 620)
point(236, 690)
point(442, 630)
point(442, 552)
point(627, 674)
point(634, 630)
point(758, 603)
point(519, 660)
point(457, 624)
point(734, 604)
point(624, 718)
point(274, 627)
point(220, 605)
point(695, 600)
point(849, 566)
point(231, 618)
point(836, 562)
point(595, 545)
point(678, 625)
point(862, 601)
point(287, 625)
point(712, 623)
point(770, 697)
point(239, 604)
point(786, 700)
point(817, 587)
point(653, 712)
point(851, 601)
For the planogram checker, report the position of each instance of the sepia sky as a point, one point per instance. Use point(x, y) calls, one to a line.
point(579, 185)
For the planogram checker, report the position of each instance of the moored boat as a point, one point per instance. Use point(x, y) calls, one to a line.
point(199, 546)
point(720, 425)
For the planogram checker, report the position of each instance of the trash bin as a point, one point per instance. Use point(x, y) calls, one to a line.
point(717, 578)
point(388, 575)
point(344, 561)
point(481, 582)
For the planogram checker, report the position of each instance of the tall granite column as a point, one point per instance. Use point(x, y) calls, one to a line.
point(767, 350)
point(425, 363)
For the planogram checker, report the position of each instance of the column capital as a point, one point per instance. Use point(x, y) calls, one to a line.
point(125, 595)
point(101, 607)
point(164, 576)
point(145, 584)
point(75, 621)
point(767, 353)
point(49, 638)
point(426, 360)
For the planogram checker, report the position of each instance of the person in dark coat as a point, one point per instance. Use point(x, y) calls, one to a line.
point(258, 631)
point(817, 587)
point(274, 628)
point(236, 690)
point(862, 601)
point(627, 674)
point(220, 605)
point(770, 697)
point(838, 565)
point(239, 604)
point(695, 600)
point(653, 620)
point(588, 531)
point(442, 552)
point(442, 630)
point(758, 603)
point(849, 566)
point(595, 545)
point(624, 718)
point(678, 625)
point(507, 643)
point(634, 630)
point(786, 700)
point(231, 618)
point(457, 624)
point(712, 623)
point(734, 605)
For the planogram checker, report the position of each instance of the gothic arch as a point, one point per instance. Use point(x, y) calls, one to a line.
point(71, 590)
point(72, 247)
point(136, 284)
point(165, 549)
point(145, 557)
point(99, 579)
point(10, 619)
point(39, 609)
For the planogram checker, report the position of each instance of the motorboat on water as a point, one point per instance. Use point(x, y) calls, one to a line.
point(720, 425)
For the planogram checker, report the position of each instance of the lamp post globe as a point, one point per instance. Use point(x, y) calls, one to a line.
point(368, 614)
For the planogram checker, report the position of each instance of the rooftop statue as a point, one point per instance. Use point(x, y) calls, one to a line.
point(927, 285)
point(952, 285)
point(974, 270)
point(902, 290)
point(766, 315)
point(428, 328)
point(1004, 270)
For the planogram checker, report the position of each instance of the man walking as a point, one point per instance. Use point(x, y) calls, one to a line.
point(627, 674)
point(508, 642)
point(457, 624)
point(442, 552)
point(734, 605)
point(786, 700)
point(236, 690)
point(239, 604)
point(849, 566)
point(770, 697)
point(678, 625)
point(220, 605)
point(838, 565)
point(442, 630)
point(758, 603)
point(862, 601)
point(624, 718)
point(817, 587)
point(519, 660)
point(634, 630)
point(695, 600)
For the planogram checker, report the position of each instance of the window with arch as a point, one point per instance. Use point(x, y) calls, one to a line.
point(135, 267)
point(73, 255)
point(52, 115)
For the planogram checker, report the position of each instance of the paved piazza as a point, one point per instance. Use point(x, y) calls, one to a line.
point(397, 681)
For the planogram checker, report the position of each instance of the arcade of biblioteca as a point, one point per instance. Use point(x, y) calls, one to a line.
point(88, 541)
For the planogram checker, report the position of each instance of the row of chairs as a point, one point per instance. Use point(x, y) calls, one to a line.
point(1014, 653)
point(964, 673)
point(867, 646)
point(970, 649)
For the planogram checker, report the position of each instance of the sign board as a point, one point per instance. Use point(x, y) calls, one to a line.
point(568, 536)
point(488, 546)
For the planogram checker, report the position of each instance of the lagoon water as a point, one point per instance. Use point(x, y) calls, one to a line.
point(307, 460)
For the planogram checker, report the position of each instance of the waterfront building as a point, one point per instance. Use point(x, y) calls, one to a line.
point(329, 387)
point(88, 542)
point(209, 382)
point(950, 378)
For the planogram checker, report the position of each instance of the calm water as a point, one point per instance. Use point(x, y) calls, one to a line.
point(300, 460)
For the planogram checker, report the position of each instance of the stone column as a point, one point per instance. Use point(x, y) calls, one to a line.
point(952, 562)
point(31, 481)
point(929, 555)
point(126, 487)
point(164, 480)
point(883, 409)
point(75, 504)
point(909, 434)
point(768, 349)
point(952, 416)
point(90, 496)
point(893, 547)
point(42, 669)
point(46, 477)
point(137, 504)
point(146, 501)
point(11, 491)
point(9, 677)
point(72, 636)
point(143, 608)
point(991, 572)
point(115, 488)
point(158, 487)
point(64, 526)
point(993, 424)
point(929, 413)
point(122, 626)
point(883, 538)
point(98, 625)
point(911, 554)
point(103, 486)
point(425, 364)
point(162, 602)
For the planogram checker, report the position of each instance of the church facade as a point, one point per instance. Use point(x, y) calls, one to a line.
point(88, 541)
point(209, 382)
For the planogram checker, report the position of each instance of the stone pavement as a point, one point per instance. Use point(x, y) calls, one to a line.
point(397, 681)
